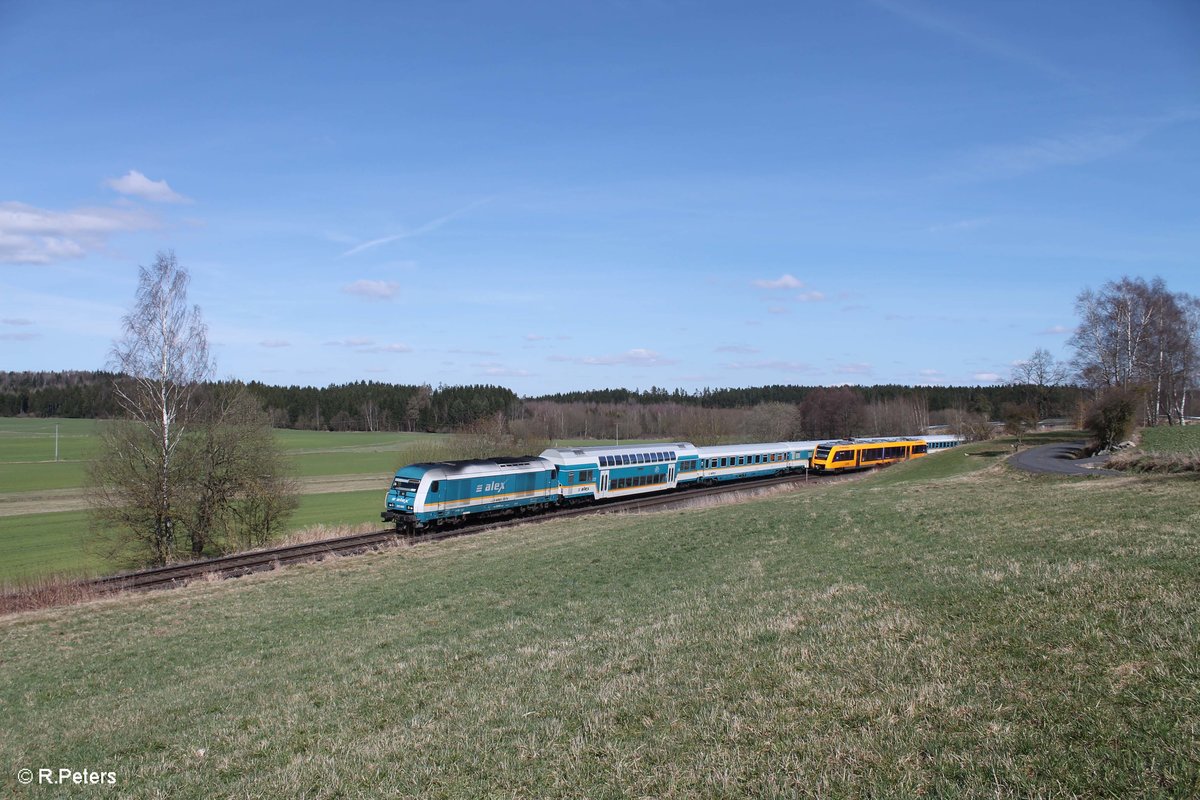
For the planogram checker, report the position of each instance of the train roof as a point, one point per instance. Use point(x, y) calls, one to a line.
point(874, 440)
point(483, 466)
point(575, 455)
point(761, 447)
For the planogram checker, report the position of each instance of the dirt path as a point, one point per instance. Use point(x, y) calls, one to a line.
point(46, 501)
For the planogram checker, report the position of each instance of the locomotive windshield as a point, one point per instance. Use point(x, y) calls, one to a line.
point(405, 484)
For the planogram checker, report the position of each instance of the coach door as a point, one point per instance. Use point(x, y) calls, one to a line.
point(604, 482)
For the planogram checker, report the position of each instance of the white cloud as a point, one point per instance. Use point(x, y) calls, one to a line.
point(737, 348)
point(777, 310)
point(136, 184)
point(771, 366)
point(782, 282)
point(16, 321)
point(1064, 149)
point(496, 370)
point(638, 357)
point(931, 373)
point(18, 337)
point(810, 297)
point(30, 235)
point(373, 290)
point(362, 344)
point(853, 369)
point(388, 348)
point(986, 376)
point(1056, 330)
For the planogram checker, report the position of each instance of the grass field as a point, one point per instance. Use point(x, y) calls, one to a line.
point(27, 452)
point(1171, 439)
point(55, 540)
point(983, 633)
point(34, 546)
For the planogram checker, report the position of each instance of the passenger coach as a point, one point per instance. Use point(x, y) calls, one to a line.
point(620, 470)
point(738, 461)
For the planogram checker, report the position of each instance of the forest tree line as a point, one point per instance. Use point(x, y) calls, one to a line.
point(769, 412)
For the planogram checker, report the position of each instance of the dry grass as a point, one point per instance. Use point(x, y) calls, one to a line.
point(320, 533)
point(45, 592)
point(1165, 463)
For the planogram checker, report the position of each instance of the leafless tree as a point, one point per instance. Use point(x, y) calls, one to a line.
point(1040, 373)
point(1019, 419)
point(971, 425)
point(161, 359)
point(832, 413)
point(190, 459)
point(1136, 334)
point(238, 495)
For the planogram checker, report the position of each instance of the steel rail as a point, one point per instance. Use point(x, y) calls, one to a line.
point(239, 564)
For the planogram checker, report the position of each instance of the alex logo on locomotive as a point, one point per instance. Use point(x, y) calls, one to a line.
point(494, 486)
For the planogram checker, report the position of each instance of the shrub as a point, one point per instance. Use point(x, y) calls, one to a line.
point(1111, 417)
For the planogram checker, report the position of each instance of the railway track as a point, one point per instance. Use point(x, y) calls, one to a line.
point(259, 561)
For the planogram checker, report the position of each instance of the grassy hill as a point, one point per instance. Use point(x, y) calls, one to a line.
point(934, 630)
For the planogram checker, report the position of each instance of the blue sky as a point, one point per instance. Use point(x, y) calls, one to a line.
point(568, 195)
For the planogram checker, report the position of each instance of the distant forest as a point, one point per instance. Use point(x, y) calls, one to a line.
point(603, 413)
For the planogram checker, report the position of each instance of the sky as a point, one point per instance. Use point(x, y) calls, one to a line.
point(558, 196)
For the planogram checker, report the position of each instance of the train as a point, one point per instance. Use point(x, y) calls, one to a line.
point(437, 493)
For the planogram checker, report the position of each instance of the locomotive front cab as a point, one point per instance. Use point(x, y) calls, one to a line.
point(402, 495)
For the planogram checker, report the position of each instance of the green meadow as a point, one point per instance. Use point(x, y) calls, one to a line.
point(946, 628)
point(51, 541)
point(1171, 439)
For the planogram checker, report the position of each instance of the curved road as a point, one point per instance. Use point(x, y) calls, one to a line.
point(1060, 459)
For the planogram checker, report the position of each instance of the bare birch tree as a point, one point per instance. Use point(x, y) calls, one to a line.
point(161, 360)
point(193, 468)
point(1134, 334)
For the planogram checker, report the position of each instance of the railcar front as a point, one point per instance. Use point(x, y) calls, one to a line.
point(447, 491)
point(851, 454)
